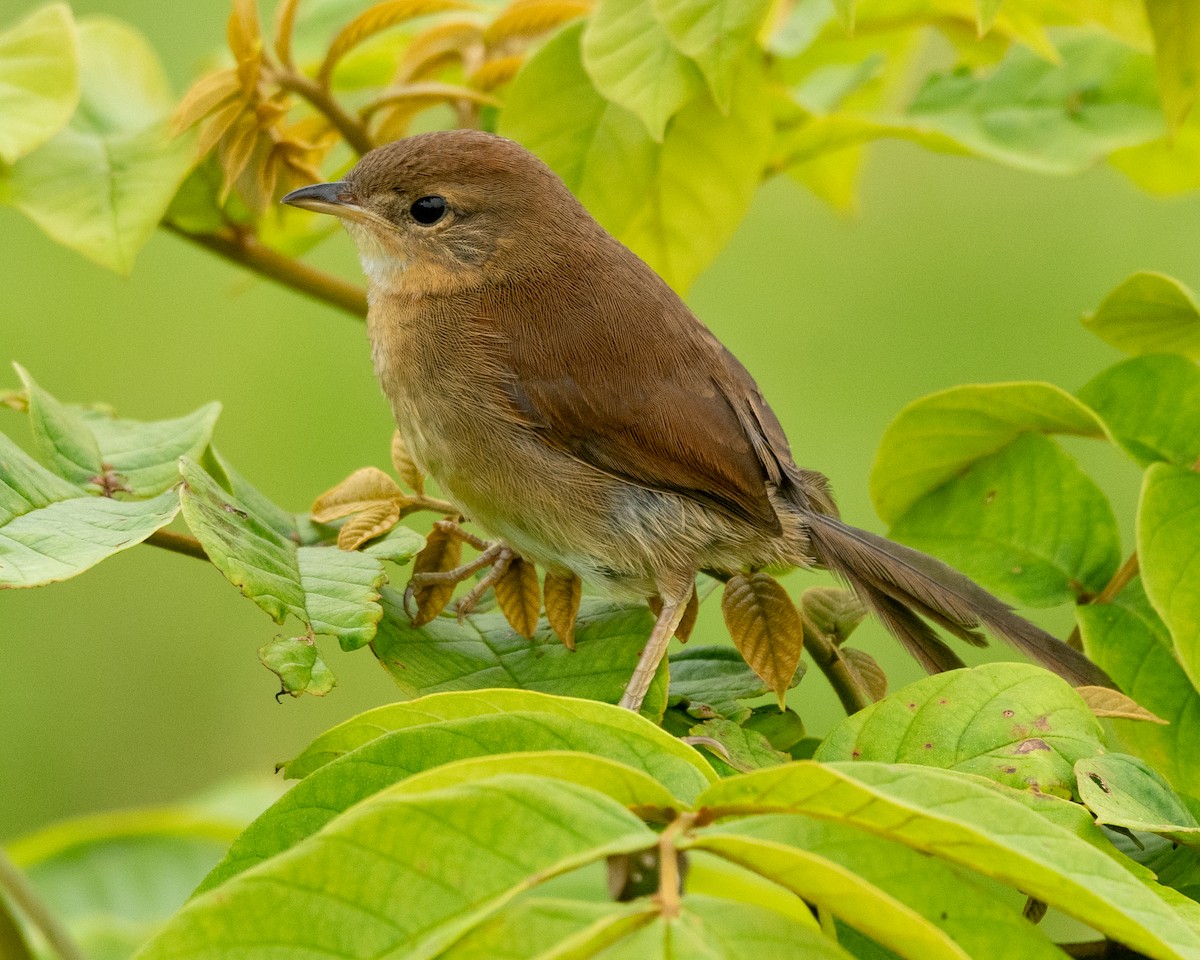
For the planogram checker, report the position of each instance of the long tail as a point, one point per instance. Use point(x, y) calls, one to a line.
point(901, 585)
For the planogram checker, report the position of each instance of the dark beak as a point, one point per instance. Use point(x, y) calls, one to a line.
point(331, 198)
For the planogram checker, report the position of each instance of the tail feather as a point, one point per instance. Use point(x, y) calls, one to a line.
point(891, 577)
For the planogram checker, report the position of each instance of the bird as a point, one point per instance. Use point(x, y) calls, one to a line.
point(569, 403)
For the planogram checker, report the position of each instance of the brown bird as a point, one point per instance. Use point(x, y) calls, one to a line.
point(568, 402)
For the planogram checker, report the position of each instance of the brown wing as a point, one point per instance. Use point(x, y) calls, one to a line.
point(619, 373)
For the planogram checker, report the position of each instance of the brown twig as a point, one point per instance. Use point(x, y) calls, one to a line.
point(352, 131)
point(177, 543)
point(20, 891)
point(247, 251)
point(828, 657)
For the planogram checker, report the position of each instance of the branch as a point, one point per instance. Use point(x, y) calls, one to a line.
point(829, 658)
point(177, 543)
point(352, 131)
point(247, 251)
point(19, 890)
point(1120, 580)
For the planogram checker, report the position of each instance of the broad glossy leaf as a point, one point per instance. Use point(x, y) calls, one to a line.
point(934, 439)
point(1176, 27)
point(1168, 531)
point(1025, 522)
point(39, 79)
point(629, 55)
point(1047, 117)
point(405, 874)
point(51, 530)
point(1011, 722)
point(956, 899)
point(1151, 405)
point(532, 926)
point(1125, 792)
point(741, 748)
point(712, 681)
point(1149, 313)
point(679, 767)
point(330, 590)
point(716, 36)
point(842, 893)
point(1131, 644)
point(965, 820)
point(484, 651)
point(298, 664)
point(101, 184)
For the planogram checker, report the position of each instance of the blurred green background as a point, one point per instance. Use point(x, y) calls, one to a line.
point(138, 682)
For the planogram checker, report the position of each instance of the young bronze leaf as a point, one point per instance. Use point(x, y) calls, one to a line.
point(496, 73)
point(205, 96)
point(406, 468)
point(378, 18)
point(520, 597)
point(562, 596)
point(362, 490)
point(530, 18)
point(285, 23)
point(690, 613)
point(833, 610)
point(765, 627)
point(443, 551)
point(373, 522)
point(1105, 702)
point(245, 42)
point(867, 671)
point(434, 49)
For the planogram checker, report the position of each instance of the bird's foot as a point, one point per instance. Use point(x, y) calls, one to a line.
point(494, 555)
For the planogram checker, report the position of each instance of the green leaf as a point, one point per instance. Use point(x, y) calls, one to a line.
point(1151, 405)
point(61, 436)
point(1131, 644)
point(936, 438)
point(330, 590)
point(842, 893)
point(51, 530)
point(1176, 28)
point(712, 681)
point(967, 821)
point(985, 13)
point(39, 79)
point(602, 151)
point(1056, 118)
point(1166, 166)
point(533, 926)
point(298, 664)
point(1026, 522)
point(742, 749)
point(405, 874)
point(1125, 792)
point(717, 36)
point(961, 902)
point(1149, 313)
point(1168, 533)
point(629, 56)
point(484, 651)
point(1014, 723)
point(101, 184)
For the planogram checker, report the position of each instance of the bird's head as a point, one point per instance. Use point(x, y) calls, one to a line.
point(438, 212)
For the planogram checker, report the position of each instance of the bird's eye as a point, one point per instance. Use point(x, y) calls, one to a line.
point(428, 210)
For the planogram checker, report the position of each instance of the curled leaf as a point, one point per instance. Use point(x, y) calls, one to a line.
point(765, 627)
point(443, 552)
point(406, 468)
point(298, 664)
point(867, 671)
point(359, 491)
point(496, 73)
point(1106, 702)
point(834, 611)
point(562, 596)
point(531, 18)
point(442, 45)
point(373, 522)
point(520, 597)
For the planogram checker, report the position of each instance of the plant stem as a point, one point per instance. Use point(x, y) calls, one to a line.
point(829, 658)
point(1120, 580)
point(353, 132)
point(247, 251)
point(19, 890)
point(177, 543)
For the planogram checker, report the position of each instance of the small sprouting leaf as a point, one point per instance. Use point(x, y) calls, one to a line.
point(1107, 702)
point(244, 36)
point(496, 72)
point(1149, 313)
point(1176, 28)
point(936, 438)
point(208, 93)
point(711, 682)
point(298, 664)
point(442, 553)
point(834, 611)
point(867, 671)
point(406, 468)
point(372, 495)
point(39, 79)
point(51, 530)
point(377, 519)
point(742, 749)
point(1125, 792)
point(1168, 531)
point(562, 595)
point(1151, 404)
point(1014, 723)
point(765, 627)
point(519, 596)
point(531, 18)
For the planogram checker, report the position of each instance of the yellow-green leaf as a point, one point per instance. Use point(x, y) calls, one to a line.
point(1176, 28)
point(39, 79)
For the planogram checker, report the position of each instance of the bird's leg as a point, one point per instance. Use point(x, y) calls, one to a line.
point(494, 555)
point(674, 606)
point(501, 561)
